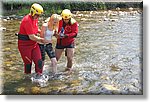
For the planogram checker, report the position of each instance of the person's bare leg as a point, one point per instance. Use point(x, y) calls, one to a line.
point(58, 53)
point(54, 65)
point(70, 54)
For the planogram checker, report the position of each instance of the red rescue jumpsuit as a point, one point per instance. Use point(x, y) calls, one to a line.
point(29, 49)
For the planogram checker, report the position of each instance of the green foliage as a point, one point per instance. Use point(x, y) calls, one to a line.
point(67, 6)
point(57, 7)
point(23, 11)
point(50, 8)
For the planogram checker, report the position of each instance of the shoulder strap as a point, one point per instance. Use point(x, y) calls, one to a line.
point(73, 21)
point(46, 26)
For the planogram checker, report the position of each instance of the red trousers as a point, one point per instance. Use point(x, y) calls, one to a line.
point(29, 54)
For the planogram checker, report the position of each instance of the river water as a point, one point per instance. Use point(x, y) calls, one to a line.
point(108, 58)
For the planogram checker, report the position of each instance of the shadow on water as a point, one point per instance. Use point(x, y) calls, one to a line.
point(108, 57)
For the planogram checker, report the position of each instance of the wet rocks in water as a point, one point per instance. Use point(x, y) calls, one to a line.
point(115, 68)
point(109, 89)
point(2, 29)
point(21, 89)
point(35, 90)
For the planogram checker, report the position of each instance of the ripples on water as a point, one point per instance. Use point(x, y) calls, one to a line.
point(108, 59)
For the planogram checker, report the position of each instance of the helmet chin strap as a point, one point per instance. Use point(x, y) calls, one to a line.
point(32, 13)
point(33, 17)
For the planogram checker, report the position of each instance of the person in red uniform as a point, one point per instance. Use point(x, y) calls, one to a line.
point(68, 30)
point(27, 40)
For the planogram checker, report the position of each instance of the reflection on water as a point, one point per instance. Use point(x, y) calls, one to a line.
point(108, 58)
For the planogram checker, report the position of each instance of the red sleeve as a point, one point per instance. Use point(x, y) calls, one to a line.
point(74, 29)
